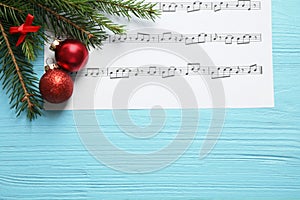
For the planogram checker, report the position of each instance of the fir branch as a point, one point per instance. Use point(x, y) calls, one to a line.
point(9, 11)
point(30, 47)
point(125, 8)
point(69, 23)
point(18, 82)
point(10, 7)
point(104, 22)
point(60, 17)
point(77, 7)
point(27, 95)
point(12, 13)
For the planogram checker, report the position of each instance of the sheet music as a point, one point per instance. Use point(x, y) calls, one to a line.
point(204, 50)
point(187, 39)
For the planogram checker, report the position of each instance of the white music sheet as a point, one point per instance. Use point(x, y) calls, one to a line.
point(212, 54)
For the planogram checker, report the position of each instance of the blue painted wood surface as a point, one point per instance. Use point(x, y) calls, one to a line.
point(256, 157)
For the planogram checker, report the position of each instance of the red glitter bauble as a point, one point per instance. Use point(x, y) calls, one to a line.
point(56, 86)
point(71, 55)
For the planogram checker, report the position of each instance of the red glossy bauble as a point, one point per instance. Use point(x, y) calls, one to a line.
point(71, 55)
point(56, 86)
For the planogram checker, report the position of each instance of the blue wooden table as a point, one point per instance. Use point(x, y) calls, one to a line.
point(256, 157)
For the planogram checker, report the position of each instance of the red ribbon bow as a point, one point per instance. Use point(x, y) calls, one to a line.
point(24, 29)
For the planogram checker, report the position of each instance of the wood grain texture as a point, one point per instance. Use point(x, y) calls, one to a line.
point(256, 157)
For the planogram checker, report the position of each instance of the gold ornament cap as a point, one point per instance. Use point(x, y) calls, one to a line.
point(51, 66)
point(54, 44)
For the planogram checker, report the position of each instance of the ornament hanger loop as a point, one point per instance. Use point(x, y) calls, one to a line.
point(50, 61)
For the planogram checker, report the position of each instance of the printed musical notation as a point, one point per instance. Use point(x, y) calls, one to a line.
point(195, 6)
point(187, 39)
point(231, 33)
point(191, 69)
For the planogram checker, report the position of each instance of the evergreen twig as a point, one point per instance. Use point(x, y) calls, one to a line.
point(60, 17)
point(127, 7)
point(14, 79)
point(11, 53)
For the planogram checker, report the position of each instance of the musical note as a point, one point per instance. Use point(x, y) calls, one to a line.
point(166, 37)
point(245, 39)
point(228, 39)
point(152, 71)
point(168, 7)
point(196, 6)
point(254, 68)
point(117, 38)
point(217, 6)
point(187, 39)
point(191, 69)
point(169, 72)
point(227, 71)
point(245, 4)
point(143, 37)
point(195, 39)
point(190, 7)
point(116, 73)
point(92, 72)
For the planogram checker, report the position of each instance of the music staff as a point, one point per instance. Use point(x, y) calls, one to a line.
point(191, 69)
point(197, 6)
point(187, 39)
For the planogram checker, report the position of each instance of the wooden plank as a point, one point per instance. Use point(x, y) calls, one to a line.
point(256, 157)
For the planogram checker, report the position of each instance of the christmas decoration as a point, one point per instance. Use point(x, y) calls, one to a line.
point(24, 29)
point(86, 21)
point(70, 54)
point(56, 86)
